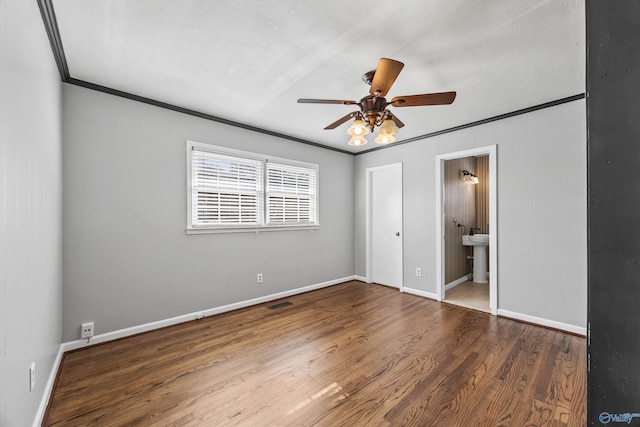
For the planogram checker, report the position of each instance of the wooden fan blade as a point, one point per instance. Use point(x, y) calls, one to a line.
point(441, 98)
point(385, 75)
point(396, 120)
point(325, 101)
point(341, 120)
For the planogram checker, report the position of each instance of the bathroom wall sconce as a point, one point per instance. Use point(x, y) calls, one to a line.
point(469, 178)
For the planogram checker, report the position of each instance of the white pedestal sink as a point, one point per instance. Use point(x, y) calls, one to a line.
point(480, 243)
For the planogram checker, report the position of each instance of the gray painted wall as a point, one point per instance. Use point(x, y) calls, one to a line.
point(30, 210)
point(127, 259)
point(542, 241)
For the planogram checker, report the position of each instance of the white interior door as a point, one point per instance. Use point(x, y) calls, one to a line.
point(386, 225)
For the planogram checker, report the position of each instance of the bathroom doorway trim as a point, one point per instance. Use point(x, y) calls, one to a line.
point(493, 217)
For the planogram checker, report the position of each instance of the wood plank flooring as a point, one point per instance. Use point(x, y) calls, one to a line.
point(348, 355)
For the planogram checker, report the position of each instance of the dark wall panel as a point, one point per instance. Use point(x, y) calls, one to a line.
point(613, 121)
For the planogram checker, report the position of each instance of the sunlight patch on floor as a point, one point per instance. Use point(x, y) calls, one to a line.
point(329, 390)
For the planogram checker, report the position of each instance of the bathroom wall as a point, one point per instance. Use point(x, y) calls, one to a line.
point(459, 208)
point(482, 194)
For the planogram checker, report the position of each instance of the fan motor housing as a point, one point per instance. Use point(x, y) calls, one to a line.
point(373, 107)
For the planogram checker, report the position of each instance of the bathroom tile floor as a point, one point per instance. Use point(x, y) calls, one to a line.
point(470, 295)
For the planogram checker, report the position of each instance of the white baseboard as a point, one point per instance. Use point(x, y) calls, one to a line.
point(110, 336)
point(48, 389)
point(578, 330)
point(457, 282)
point(419, 293)
point(360, 278)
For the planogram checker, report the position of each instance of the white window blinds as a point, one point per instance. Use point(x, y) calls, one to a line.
point(226, 190)
point(232, 190)
point(291, 194)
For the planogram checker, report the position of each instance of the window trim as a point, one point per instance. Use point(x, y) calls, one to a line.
point(207, 229)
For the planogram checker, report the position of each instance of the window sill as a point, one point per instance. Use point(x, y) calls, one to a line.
point(220, 230)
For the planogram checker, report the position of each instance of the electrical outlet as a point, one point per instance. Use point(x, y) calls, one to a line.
point(418, 272)
point(86, 330)
point(32, 376)
point(259, 278)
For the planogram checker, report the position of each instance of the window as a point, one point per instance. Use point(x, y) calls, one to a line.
point(225, 190)
point(231, 190)
point(291, 194)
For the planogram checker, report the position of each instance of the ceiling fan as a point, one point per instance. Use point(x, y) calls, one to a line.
point(373, 107)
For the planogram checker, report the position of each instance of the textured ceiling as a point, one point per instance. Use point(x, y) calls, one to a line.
point(249, 61)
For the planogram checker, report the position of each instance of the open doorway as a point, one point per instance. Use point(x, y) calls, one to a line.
point(466, 229)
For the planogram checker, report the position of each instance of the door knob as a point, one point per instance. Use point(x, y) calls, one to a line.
point(397, 233)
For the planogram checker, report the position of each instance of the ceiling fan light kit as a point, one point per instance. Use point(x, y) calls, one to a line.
point(385, 139)
point(356, 141)
point(357, 128)
point(373, 107)
point(388, 127)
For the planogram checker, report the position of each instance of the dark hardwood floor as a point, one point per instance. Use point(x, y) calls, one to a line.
point(348, 355)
